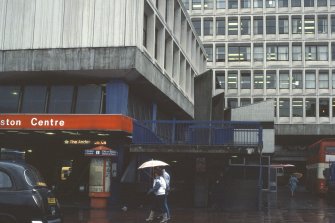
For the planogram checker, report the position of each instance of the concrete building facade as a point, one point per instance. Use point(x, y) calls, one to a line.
point(283, 50)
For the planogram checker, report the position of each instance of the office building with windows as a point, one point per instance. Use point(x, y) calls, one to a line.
point(282, 50)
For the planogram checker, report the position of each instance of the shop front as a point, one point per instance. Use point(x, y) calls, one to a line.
point(81, 156)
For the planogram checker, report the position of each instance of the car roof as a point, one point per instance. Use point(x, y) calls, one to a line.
point(16, 169)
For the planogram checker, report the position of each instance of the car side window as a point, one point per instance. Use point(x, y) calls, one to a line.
point(5, 181)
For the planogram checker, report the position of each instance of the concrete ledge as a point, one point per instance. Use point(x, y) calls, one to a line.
point(304, 129)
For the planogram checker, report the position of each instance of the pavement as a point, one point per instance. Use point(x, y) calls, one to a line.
point(274, 207)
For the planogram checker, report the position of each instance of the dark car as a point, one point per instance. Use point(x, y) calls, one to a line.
point(24, 196)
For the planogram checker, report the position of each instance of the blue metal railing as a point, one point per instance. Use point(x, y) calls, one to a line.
point(197, 133)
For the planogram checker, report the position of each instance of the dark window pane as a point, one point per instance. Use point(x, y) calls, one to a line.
point(89, 99)
point(220, 80)
point(60, 101)
point(9, 99)
point(34, 99)
point(310, 107)
point(5, 181)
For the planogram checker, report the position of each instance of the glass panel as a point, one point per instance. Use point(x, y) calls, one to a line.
point(270, 26)
point(297, 107)
point(256, 100)
point(310, 53)
point(245, 3)
point(271, 79)
point(232, 4)
point(323, 107)
point(245, 101)
point(309, 25)
point(283, 26)
point(5, 181)
point(186, 4)
point(232, 102)
point(296, 53)
point(208, 4)
point(297, 79)
point(258, 26)
point(322, 53)
point(258, 53)
point(220, 4)
point(60, 101)
point(270, 3)
point(220, 79)
point(333, 23)
point(9, 99)
point(245, 26)
point(233, 53)
point(89, 99)
point(333, 51)
point(322, 25)
point(258, 79)
point(232, 26)
point(310, 79)
point(296, 25)
point(197, 26)
point(232, 79)
point(284, 107)
point(220, 53)
point(282, 3)
point(220, 26)
point(310, 107)
point(284, 79)
point(271, 53)
point(258, 3)
point(245, 53)
point(323, 79)
point(296, 3)
point(333, 80)
point(332, 2)
point(309, 3)
point(283, 53)
point(34, 98)
point(245, 80)
point(196, 4)
point(208, 27)
point(333, 106)
point(209, 51)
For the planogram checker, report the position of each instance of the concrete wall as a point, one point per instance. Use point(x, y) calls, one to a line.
point(203, 85)
point(259, 112)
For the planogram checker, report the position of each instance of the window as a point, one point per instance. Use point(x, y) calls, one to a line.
point(333, 51)
point(309, 3)
point(333, 106)
point(258, 79)
point(239, 53)
point(310, 107)
point(321, 3)
point(220, 79)
point(232, 26)
point(258, 25)
point(333, 23)
point(245, 26)
point(296, 53)
point(270, 25)
point(186, 4)
point(310, 79)
point(258, 3)
point(282, 3)
point(284, 79)
point(333, 80)
point(197, 26)
point(323, 79)
point(208, 4)
point(9, 99)
point(271, 79)
point(245, 80)
point(89, 99)
point(5, 181)
point(220, 26)
point(323, 107)
point(34, 99)
point(60, 101)
point(284, 107)
point(297, 107)
point(245, 101)
point(245, 3)
point(196, 4)
point(220, 4)
point(258, 53)
point(277, 53)
point(232, 4)
point(316, 53)
point(209, 51)
point(296, 3)
point(270, 3)
point(322, 24)
point(296, 25)
point(309, 25)
point(220, 53)
point(283, 26)
point(256, 100)
point(232, 79)
point(232, 102)
point(297, 79)
point(332, 2)
point(208, 27)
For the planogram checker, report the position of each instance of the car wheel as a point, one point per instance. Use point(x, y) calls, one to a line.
point(7, 219)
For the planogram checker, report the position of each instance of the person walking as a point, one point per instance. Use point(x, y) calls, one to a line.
point(159, 188)
point(293, 183)
point(167, 178)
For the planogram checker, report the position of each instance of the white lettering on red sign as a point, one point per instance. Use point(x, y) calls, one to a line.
point(45, 123)
point(9, 122)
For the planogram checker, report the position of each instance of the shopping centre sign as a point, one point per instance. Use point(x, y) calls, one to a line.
point(66, 122)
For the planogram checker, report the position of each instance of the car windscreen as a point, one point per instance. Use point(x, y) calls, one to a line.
point(34, 178)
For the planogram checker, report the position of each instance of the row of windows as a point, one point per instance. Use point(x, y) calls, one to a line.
point(273, 79)
point(294, 107)
point(295, 24)
point(235, 4)
point(271, 52)
point(65, 99)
